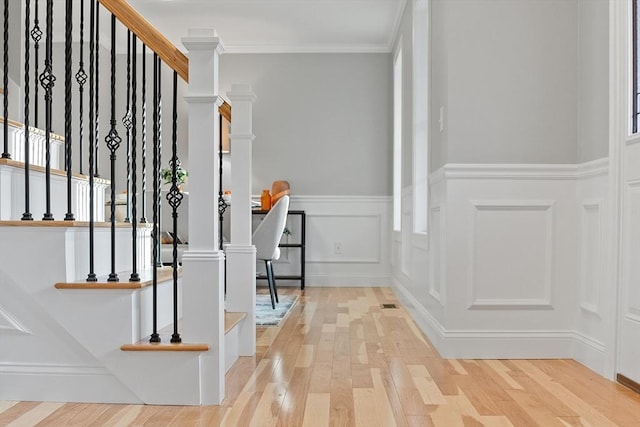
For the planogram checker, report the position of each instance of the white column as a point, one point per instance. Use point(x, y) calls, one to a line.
point(241, 254)
point(203, 277)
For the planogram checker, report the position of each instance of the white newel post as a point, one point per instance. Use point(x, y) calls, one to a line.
point(203, 262)
point(241, 254)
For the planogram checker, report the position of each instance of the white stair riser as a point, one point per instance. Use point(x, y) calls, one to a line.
point(37, 148)
point(12, 196)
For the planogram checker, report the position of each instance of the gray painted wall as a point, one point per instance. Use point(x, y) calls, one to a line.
point(593, 104)
point(505, 72)
point(322, 121)
point(405, 32)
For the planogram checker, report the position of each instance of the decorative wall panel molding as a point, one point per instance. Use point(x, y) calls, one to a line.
point(631, 267)
point(348, 241)
point(511, 252)
point(598, 167)
point(520, 171)
point(359, 235)
point(591, 258)
point(436, 256)
point(324, 200)
point(509, 171)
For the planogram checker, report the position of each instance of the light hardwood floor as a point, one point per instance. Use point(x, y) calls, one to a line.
point(341, 360)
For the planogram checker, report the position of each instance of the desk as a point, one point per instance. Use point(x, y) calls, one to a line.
point(301, 244)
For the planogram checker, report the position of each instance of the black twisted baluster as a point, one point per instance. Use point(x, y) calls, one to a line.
point(159, 145)
point(97, 93)
point(143, 218)
point(126, 121)
point(174, 198)
point(5, 98)
point(36, 36)
point(135, 277)
point(81, 78)
point(155, 337)
point(91, 277)
point(47, 80)
point(26, 216)
point(68, 38)
point(113, 141)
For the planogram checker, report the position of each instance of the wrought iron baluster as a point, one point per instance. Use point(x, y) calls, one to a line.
point(91, 277)
point(47, 80)
point(135, 277)
point(113, 141)
point(26, 216)
point(159, 146)
point(97, 92)
point(126, 121)
point(143, 216)
point(5, 97)
point(81, 78)
point(36, 36)
point(174, 198)
point(155, 337)
point(68, 38)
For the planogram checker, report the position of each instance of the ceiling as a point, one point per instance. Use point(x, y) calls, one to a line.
point(278, 26)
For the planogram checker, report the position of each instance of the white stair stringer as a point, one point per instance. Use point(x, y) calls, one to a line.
point(73, 337)
point(42, 361)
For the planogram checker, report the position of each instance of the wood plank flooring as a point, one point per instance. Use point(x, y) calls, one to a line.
point(341, 360)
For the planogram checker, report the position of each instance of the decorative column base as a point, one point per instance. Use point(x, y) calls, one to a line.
point(241, 293)
point(203, 317)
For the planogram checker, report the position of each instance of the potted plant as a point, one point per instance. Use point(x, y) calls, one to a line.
point(181, 175)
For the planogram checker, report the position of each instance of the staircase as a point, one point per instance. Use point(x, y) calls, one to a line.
point(68, 332)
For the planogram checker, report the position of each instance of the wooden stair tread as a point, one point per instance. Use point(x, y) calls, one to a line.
point(165, 345)
point(62, 223)
point(146, 279)
point(231, 319)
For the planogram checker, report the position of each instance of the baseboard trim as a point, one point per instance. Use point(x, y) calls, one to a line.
point(591, 353)
point(62, 383)
point(429, 325)
point(628, 382)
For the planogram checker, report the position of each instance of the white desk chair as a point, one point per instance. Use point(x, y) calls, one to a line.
point(266, 238)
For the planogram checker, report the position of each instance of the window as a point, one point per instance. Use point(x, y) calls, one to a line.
point(635, 68)
point(397, 138)
point(420, 115)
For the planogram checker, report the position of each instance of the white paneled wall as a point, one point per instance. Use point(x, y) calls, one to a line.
point(347, 241)
point(594, 303)
point(515, 263)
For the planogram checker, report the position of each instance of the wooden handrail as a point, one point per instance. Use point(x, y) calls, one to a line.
point(149, 35)
point(155, 40)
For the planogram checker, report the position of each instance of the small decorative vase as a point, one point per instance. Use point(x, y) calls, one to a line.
point(265, 200)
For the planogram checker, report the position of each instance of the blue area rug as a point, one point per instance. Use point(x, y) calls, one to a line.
point(267, 316)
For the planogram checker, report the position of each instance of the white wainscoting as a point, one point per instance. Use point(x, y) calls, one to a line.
point(348, 241)
point(511, 249)
point(516, 259)
point(594, 345)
